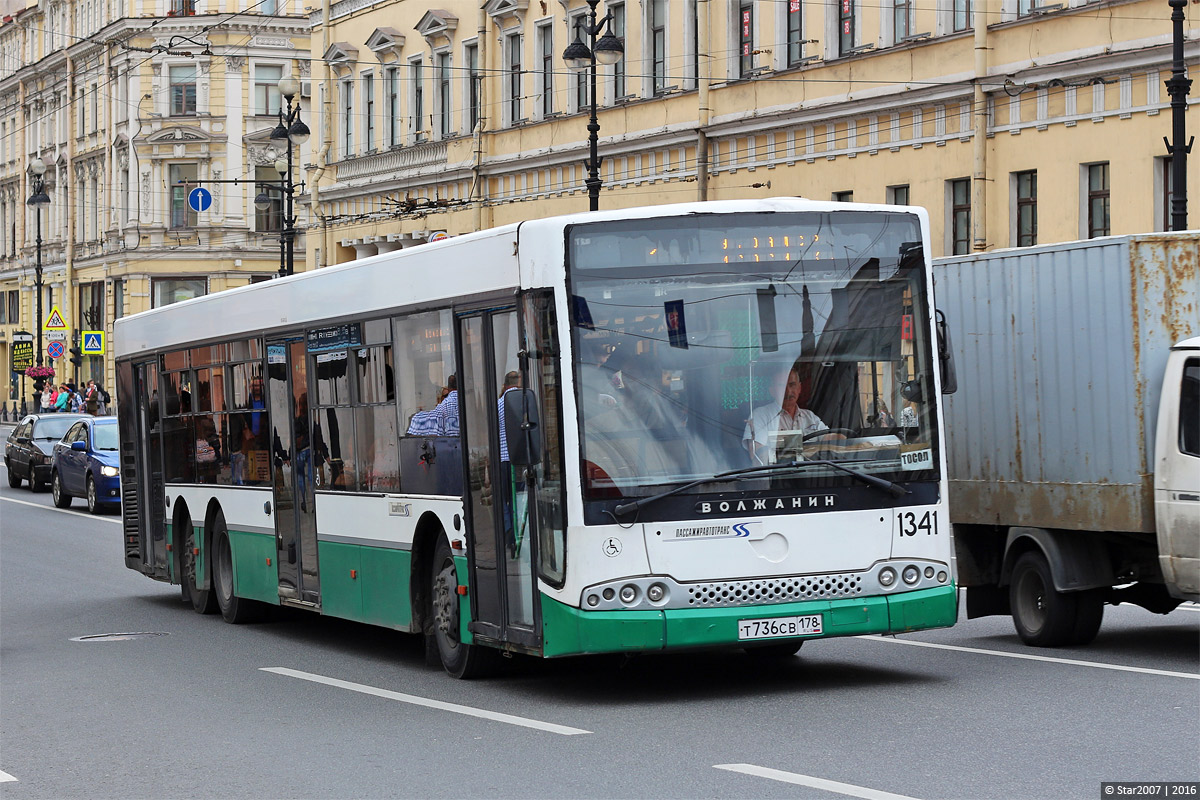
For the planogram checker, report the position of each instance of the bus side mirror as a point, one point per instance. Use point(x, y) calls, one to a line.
point(521, 428)
point(945, 355)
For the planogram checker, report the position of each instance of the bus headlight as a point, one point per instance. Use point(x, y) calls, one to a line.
point(887, 577)
point(911, 575)
point(628, 593)
point(656, 592)
point(110, 472)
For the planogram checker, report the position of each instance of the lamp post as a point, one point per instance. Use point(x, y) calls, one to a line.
point(38, 198)
point(292, 130)
point(1178, 87)
point(579, 56)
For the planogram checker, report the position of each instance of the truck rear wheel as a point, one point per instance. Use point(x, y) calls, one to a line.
point(1045, 617)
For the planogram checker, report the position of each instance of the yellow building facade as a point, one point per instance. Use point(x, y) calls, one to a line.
point(1013, 122)
point(130, 105)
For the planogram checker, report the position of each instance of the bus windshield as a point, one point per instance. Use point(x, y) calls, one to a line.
point(712, 343)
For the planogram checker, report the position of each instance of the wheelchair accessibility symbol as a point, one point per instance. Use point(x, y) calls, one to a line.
point(612, 547)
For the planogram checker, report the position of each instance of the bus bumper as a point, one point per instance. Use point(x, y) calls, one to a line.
point(572, 631)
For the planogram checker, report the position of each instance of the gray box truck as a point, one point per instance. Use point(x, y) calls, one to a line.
point(1073, 455)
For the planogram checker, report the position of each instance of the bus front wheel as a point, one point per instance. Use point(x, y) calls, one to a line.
point(775, 650)
point(460, 659)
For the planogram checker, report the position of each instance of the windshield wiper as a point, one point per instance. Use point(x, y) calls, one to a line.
point(871, 480)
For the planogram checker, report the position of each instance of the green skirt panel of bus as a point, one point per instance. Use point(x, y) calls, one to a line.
point(366, 584)
point(570, 631)
point(255, 574)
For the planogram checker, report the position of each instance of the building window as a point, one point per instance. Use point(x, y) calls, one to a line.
point(266, 181)
point(795, 32)
point(266, 88)
point(416, 69)
point(902, 11)
point(963, 15)
point(347, 118)
point(91, 306)
point(165, 291)
point(580, 78)
point(845, 27)
point(1024, 8)
point(182, 8)
point(1026, 208)
point(843, 197)
point(473, 78)
point(445, 108)
point(745, 39)
point(658, 44)
point(1097, 208)
point(960, 216)
point(269, 7)
point(512, 53)
point(183, 180)
point(618, 29)
point(898, 195)
point(183, 91)
point(393, 105)
point(1168, 192)
point(368, 87)
point(118, 288)
point(546, 52)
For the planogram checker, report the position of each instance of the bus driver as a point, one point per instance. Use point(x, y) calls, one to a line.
point(783, 413)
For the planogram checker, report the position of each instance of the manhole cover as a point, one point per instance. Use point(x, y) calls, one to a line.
point(116, 637)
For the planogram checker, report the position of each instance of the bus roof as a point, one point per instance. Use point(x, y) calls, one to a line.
point(482, 262)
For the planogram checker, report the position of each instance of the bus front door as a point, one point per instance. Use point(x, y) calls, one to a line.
point(292, 473)
point(500, 540)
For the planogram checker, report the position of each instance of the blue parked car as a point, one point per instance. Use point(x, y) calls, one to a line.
point(86, 465)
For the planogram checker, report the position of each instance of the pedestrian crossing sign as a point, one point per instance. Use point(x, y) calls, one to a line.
point(93, 343)
point(55, 321)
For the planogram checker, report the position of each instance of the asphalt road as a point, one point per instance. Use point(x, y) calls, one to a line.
point(354, 711)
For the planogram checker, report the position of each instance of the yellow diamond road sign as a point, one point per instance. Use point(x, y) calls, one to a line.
point(55, 321)
point(92, 343)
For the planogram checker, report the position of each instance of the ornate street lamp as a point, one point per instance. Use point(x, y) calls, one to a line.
point(579, 56)
point(292, 130)
point(38, 198)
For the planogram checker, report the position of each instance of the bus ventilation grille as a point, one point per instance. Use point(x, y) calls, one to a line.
point(740, 593)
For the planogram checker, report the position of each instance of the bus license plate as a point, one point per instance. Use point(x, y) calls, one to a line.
point(775, 627)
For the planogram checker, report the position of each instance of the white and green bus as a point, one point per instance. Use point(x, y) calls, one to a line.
point(705, 425)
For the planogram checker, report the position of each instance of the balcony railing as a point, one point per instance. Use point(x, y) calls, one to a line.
point(390, 162)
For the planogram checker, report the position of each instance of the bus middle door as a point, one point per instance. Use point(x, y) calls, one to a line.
point(292, 475)
point(500, 541)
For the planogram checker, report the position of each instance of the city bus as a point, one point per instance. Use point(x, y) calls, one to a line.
point(694, 426)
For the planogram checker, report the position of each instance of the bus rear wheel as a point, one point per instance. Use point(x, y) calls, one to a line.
point(459, 659)
point(235, 610)
point(204, 601)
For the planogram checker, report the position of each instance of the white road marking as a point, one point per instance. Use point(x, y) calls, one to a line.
point(115, 520)
point(509, 719)
point(814, 783)
point(1028, 657)
point(5, 777)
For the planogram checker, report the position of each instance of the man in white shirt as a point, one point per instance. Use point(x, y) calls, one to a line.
point(784, 414)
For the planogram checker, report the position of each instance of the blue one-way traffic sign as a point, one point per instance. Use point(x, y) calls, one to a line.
point(199, 199)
